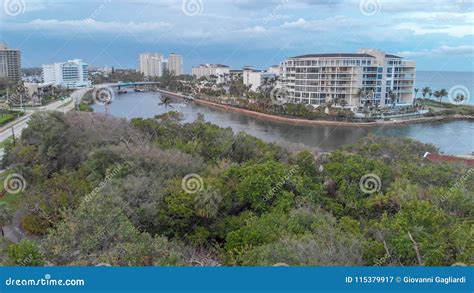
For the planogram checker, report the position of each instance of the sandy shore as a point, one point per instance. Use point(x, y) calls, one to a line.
point(320, 122)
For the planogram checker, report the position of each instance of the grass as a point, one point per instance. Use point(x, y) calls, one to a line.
point(6, 142)
point(447, 109)
point(5, 118)
point(13, 200)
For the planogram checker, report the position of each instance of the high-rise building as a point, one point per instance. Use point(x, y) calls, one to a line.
point(175, 64)
point(70, 74)
point(152, 64)
point(10, 63)
point(221, 72)
point(315, 79)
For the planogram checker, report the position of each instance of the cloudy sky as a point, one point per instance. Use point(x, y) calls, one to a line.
point(438, 34)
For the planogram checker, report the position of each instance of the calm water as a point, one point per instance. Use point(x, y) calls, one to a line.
point(445, 79)
point(454, 137)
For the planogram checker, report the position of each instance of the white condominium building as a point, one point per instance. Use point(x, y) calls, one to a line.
point(70, 74)
point(10, 63)
point(221, 72)
point(319, 78)
point(256, 79)
point(175, 64)
point(152, 64)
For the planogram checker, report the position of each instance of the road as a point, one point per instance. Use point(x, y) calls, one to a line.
point(21, 123)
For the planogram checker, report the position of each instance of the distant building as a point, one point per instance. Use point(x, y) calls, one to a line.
point(152, 64)
point(175, 64)
point(319, 78)
point(275, 69)
point(70, 74)
point(256, 78)
point(10, 63)
point(219, 71)
point(235, 74)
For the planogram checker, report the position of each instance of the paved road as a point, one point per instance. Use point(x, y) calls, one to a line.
point(22, 123)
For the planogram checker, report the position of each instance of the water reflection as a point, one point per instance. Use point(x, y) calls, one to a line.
point(454, 137)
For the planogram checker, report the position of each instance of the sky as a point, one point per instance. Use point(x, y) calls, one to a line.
point(438, 34)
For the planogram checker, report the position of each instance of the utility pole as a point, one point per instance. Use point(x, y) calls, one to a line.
point(13, 135)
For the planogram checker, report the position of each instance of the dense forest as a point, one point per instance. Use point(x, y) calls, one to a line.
point(106, 191)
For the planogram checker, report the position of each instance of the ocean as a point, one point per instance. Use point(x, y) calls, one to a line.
point(446, 79)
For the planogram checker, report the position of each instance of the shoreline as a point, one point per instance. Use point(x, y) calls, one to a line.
point(290, 120)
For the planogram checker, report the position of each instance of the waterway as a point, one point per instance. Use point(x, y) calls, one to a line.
point(454, 137)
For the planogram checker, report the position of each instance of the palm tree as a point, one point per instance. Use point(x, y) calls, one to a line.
point(430, 93)
point(437, 95)
point(166, 101)
point(442, 93)
point(424, 91)
point(459, 98)
point(416, 91)
point(393, 97)
point(343, 103)
point(361, 94)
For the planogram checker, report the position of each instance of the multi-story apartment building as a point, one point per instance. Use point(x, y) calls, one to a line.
point(219, 71)
point(257, 78)
point(175, 64)
point(10, 63)
point(70, 74)
point(152, 64)
point(315, 79)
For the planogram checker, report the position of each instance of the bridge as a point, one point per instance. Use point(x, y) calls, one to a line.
point(120, 85)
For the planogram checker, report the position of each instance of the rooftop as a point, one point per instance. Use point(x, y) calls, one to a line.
point(344, 55)
point(335, 55)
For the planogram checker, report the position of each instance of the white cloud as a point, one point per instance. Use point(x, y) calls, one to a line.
point(458, 31)
point(89, 25)
point(300, 23)
point(466, 50)
point(327, 24)
point(254, 30)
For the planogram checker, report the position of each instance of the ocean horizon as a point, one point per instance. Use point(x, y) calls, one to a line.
point(437, 80)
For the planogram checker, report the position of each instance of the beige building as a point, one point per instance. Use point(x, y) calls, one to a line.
point(10, 63)
point(152, 64)
point(319, 78)
point(221, 72)
point(175, 64)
